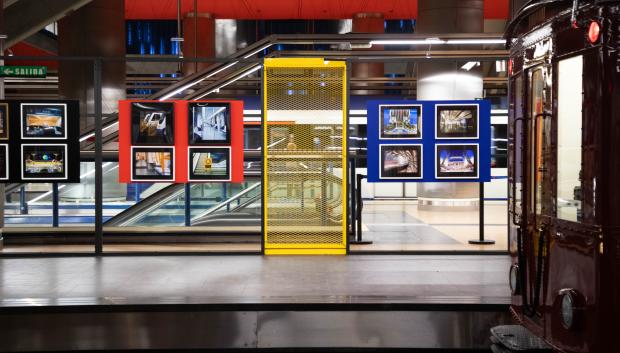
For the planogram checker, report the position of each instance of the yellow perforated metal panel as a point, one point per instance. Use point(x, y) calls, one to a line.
point(304, 183)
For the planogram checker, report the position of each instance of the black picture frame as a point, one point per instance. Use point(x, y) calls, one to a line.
point(457, 121)
point(43, 121)
point(198, 157)
point(401, 161)
point(214, 129)
point(152, 123)
point(144, 165)
point(44, 162)
point(4, 162)
point(399, 115)
point(4, 121)
point(457, 161)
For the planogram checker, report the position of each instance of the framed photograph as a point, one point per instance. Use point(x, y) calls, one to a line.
point(400, 162)
point(4, 162)
point(456, 161)
point(209, 164)
point(43, 121)
point(456, 121)
point(400, 121)
point(152, 123)
point(209, 123)
point(44, 162)
point(4, 121)
point(152, 163)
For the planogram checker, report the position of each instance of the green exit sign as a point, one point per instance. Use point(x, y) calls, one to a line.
point(23, 71)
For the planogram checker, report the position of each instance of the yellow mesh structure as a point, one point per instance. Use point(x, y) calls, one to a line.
point(304, 183)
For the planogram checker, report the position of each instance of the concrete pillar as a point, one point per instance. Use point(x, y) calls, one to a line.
point(198, 40)
point(96, 29)
point(368, 23)
point(441, 80)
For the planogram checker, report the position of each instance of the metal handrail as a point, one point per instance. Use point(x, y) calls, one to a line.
point(230, 200)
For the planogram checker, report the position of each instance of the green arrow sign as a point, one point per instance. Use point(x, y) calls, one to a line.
point(23, 71)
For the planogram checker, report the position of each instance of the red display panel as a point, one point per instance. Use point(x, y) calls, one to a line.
point(169, 147)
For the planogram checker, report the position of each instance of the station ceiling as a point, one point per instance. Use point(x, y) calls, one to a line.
point(291, 9)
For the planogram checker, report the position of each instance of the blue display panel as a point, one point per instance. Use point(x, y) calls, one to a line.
point(429, 141)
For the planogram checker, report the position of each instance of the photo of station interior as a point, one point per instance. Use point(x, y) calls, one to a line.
point(309, 174)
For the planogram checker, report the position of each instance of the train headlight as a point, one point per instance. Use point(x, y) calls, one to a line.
point(594, 31)
point(568, 305)
point(514, 279)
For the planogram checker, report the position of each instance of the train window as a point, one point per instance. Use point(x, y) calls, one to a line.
point(499, 146)
point(517, 136)
point(540, 142)
point(570, 99)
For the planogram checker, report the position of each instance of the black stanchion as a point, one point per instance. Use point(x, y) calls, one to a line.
point(55, 205)
point(481, 240)
point(358, 214)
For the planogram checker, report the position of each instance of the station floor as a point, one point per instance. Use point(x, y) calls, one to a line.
point(391, 225)
point(254, 279)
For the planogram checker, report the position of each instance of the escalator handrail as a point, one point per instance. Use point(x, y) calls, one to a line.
point(232, 199)
point(160, 197)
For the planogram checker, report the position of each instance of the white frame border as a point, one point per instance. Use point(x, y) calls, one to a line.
point(172, 171)
point(21, 122)
point(421, 123)
point(66, 157)
point(189, 165)
point(6, 125)
point(402, 178)
point(6, 160)
point(457, 144)
point(477, 137)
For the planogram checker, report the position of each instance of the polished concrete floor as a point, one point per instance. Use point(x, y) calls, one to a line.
point(255, 279)
point(400, 226)
point(391, 225)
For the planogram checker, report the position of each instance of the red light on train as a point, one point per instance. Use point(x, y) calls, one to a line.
point(510, 62)
point(594, 31)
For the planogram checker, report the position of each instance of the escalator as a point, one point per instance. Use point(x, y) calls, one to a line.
point(167, 207)
point(237, 212)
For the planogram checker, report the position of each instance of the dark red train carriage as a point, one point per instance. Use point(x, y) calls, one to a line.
point(564, 174)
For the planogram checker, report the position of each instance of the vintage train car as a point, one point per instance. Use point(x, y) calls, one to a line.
point(564, 168)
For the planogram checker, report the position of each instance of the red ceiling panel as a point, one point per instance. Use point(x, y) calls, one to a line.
point(291, 9)
point(24, 49)
point(272, 9)
point(496, 9)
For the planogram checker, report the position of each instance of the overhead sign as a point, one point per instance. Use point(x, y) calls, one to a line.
point(23, 71)
point(429, 141)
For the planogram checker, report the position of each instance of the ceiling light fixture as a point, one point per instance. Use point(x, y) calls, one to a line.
point(437, 41)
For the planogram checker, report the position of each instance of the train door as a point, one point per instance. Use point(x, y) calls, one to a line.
point(539, 208)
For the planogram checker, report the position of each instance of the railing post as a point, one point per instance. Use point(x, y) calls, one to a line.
point(188, 202)
point(55, 205)
point(98, 157)
point(23, 203)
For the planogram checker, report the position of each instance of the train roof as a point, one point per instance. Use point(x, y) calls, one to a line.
point(533, 5)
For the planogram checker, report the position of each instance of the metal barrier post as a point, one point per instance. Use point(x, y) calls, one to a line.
point(55, 205)
point(188, 201)
point(98, 158)
point(481, 240)
point(358, 213)
point(353, 197)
